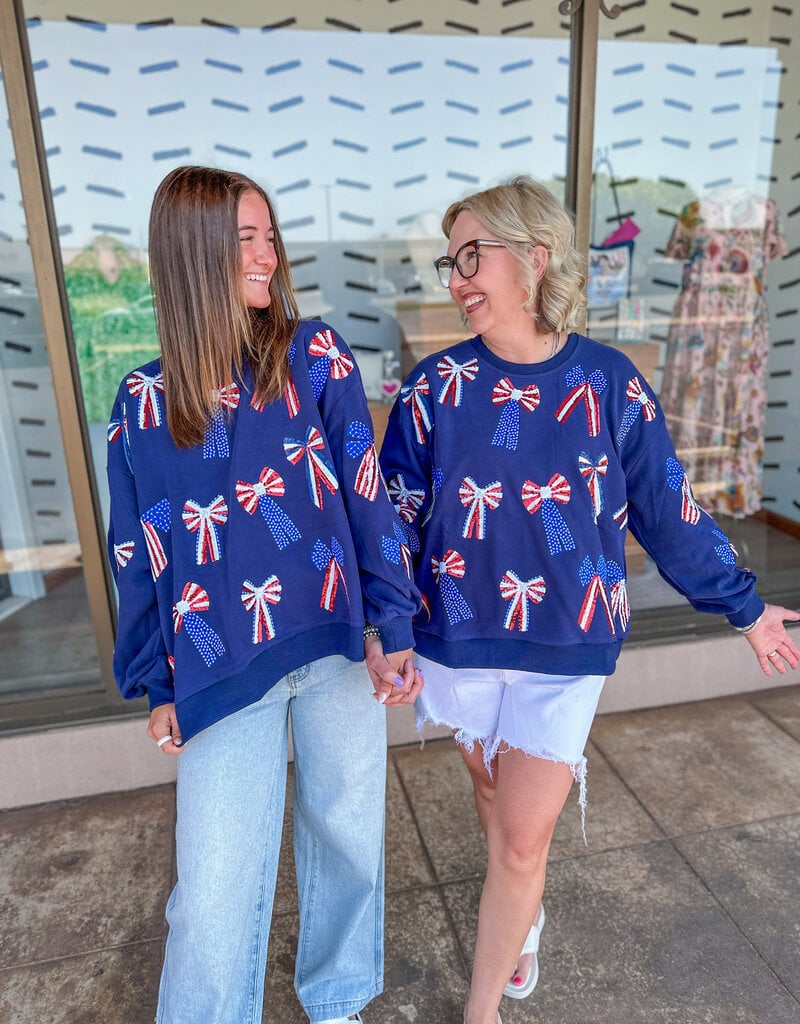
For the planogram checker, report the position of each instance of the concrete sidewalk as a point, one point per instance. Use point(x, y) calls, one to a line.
point(684, 908)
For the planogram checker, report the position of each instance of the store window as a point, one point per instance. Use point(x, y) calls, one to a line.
point(46, 633)
point(694, 259)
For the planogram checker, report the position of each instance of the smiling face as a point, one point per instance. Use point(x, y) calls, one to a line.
point(493, 299)
point(257, 244)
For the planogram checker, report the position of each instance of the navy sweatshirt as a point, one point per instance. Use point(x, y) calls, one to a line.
point(517, 485)
point(260, 550)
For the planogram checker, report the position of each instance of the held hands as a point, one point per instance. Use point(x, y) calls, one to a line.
point(163, 728)
point(773, 646)
point(394, 677)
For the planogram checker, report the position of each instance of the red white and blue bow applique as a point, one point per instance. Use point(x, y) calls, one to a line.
point(320, 474)
point(678, 481)
point(446, 570)
point(397, 550)
point(406, 500)
point(639, 403)
point(512, 399)
point(454, 374)
point(521, 594)
point(593, 471)
point(186, 612)
point(360, 444)
point(257, 601)
point(123, 553)
point(615, 578)
point(215, 442)
point(416, 397)
point(330, 561)
point(585, 391)
point(155, 519)
point(332, 362)
point(547, 497)
point(476, 500)
point(594, 580)
point(726, 552)
point(204, 521)
point(260, 495)
point(147, 389)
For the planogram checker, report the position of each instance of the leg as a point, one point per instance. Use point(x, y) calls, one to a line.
point(231, 787)
point(339, 734)
point(520, 807)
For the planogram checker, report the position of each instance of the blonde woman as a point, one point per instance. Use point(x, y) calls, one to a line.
point(518, 460)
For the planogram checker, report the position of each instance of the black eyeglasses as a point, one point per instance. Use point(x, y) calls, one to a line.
point(466, 260)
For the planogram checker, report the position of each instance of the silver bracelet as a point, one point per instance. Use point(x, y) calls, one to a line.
point(370, 630)
point(747, 629)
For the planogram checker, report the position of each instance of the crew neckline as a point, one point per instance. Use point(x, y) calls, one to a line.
point(527, 369)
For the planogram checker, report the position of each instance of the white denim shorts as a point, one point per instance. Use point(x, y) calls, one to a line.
point(544, 716)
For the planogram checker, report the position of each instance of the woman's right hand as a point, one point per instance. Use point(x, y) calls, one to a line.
point(394, 677)
point(164, 729)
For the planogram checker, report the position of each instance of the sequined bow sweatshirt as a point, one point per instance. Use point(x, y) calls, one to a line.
point(517, 484)
point(260, 550)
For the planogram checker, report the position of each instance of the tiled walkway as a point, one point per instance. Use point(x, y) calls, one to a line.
point(683, 909)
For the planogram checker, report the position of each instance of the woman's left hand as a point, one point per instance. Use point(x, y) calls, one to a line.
point(394, 677)
point(772, 644)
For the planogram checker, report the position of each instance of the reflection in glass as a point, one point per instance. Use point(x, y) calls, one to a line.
point(46, 635)
point(686, 220)
point(362, 149)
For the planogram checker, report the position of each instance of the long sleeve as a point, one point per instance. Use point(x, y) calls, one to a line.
point(691, 552)
point(141, 664)
point(381, 543)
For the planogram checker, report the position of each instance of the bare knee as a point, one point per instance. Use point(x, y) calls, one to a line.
point(521, 849)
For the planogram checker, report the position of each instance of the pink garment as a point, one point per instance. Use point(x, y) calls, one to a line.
point(714, 387)
point(626, 232)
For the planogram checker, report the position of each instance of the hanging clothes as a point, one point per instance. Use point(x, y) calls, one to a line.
point(714, 385)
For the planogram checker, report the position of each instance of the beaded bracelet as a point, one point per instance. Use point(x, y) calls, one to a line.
point(370, 630)
point(752, 626)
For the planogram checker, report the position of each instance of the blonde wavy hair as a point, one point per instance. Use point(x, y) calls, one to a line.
point(525, 213)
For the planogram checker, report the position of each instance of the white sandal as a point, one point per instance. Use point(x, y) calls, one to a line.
point(531, 946)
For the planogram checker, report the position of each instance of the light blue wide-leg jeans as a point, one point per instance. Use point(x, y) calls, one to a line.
point(230, 797)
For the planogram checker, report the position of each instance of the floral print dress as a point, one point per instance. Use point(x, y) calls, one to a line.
point(714, 385)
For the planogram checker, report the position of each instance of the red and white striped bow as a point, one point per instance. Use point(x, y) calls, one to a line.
point(619, 602)
point(406, 501)
point(269, 483)
point(520, 593)
point(504, 392)
point(123, 553)
point(450, 564)
point(146, 389)
point(319, 472)
point(477, 499)
point(415, 397)
point(591, 473)
point(585, 391)
point(227, 397)
point(193, 599)
point(556, 489)
point(257, 600)
point(690, 510)
point(593, 580)
point(454, 374)
point(324, 344)
point(636, 393)
point(202, 520)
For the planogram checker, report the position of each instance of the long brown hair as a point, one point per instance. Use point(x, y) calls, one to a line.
point(205, 328)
